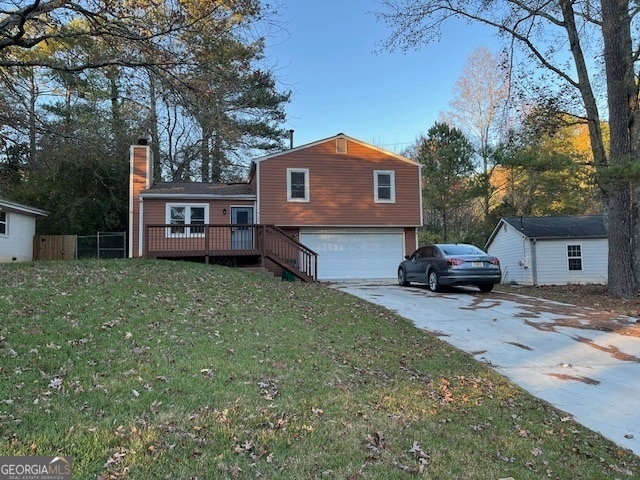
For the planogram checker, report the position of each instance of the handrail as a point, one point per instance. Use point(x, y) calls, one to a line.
point(297, 257)
point(268, 241)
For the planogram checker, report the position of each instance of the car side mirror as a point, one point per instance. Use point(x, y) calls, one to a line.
point(407, 257)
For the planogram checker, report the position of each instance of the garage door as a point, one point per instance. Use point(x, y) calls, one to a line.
point(355, 253)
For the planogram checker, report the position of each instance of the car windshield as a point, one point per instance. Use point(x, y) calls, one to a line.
point(461, 250)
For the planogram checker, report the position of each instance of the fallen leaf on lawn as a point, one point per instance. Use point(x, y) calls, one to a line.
point(415, 448)
point(155, 406)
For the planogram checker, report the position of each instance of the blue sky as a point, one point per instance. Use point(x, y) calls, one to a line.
point(328, 55)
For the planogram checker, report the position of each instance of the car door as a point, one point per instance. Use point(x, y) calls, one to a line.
point(415, 266)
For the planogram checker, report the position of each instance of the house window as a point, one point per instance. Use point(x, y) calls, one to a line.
point(574, 255)
point(298, 185)
point(183, 214)
point(384, 186)
point(3, 223)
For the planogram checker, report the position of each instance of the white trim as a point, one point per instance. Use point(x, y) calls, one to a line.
point(305, 171)
point(6, 223)
point(16, 207)
point(351, 230)
point(187, 218)
point(581, 257)
point(198, 196)
point(376, 186)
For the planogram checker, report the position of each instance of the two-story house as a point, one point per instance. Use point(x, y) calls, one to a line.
point(337, 208)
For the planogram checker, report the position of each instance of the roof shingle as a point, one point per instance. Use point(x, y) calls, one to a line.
point(567, 226)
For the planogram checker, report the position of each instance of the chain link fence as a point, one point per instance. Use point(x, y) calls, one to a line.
point(102, 245)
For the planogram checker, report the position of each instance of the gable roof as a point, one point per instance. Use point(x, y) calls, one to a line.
point(200, 190)
point(565, 226)
point(17, 207)
point(328, 139)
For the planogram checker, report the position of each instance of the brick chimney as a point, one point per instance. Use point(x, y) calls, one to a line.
point(140, 178)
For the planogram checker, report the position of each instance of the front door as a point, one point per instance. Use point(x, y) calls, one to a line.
point(241, 236)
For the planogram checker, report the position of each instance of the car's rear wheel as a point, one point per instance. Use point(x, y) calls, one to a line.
point(402, 277)
point(486, 288)
point(433, 281)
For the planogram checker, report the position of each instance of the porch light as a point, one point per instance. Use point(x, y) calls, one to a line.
point(224, 211)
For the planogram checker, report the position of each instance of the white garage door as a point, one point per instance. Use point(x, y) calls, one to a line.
point(355, 253)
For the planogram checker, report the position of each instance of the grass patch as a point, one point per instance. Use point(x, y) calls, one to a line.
point(150, 369)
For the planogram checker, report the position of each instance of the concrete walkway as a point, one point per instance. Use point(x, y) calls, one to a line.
point(583, 361)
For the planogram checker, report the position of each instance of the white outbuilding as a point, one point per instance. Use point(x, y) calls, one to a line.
point(554, 250)
point(17, 228)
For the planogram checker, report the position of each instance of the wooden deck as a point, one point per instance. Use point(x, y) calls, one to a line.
point(215, 242)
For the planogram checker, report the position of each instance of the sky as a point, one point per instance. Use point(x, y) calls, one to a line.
point(329, 55)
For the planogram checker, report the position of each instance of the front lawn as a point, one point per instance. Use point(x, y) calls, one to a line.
point(151, 369)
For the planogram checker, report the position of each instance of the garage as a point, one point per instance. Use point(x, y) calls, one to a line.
point(352, 253)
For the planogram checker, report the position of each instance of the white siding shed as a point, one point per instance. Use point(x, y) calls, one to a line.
point(558, 250)
point(17, 228)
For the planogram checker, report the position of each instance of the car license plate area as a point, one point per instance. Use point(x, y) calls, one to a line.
point(477, 264)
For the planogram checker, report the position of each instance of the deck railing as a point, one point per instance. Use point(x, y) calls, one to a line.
point(198, 240)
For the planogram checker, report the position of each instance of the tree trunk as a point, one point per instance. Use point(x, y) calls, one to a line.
point(153, 127)
point(206, 157)
point(33, 98)
point(616, 33)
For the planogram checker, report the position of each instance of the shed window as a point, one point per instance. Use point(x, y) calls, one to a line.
point(188, 215)
point(574, 255)
point(384, 186)
point(3, 223)
point(297, 185)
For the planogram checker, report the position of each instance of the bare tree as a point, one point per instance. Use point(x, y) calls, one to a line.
point(552, 32)
point(480, 108)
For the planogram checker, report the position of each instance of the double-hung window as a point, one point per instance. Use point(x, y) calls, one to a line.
point(3, 223)
point(298, 184)
point(574, 257)
point(184, 217)
point(384, 186)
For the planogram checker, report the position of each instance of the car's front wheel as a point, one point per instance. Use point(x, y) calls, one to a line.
point(402, 277)
point(433, 281)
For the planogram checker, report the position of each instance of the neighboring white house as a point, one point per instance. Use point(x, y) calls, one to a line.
point(558, 250)
point(17, 228)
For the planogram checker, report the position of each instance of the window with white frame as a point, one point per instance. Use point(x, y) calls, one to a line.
point(574, 256)
point(384, 186)
point(184, 216)
point(3, 223)
point(298, 184)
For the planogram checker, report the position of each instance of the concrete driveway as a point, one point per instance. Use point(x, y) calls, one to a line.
point(583, 361)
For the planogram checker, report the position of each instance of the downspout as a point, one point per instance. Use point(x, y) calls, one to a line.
point(131, 226)
point(534, 262)
point(257, 193)
point(141, 229)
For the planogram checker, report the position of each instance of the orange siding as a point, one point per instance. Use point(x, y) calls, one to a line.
point(341, 188)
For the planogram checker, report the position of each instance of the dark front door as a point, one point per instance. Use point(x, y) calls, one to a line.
point(241, 236)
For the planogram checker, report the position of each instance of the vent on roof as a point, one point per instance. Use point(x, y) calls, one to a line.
point(341, 146)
